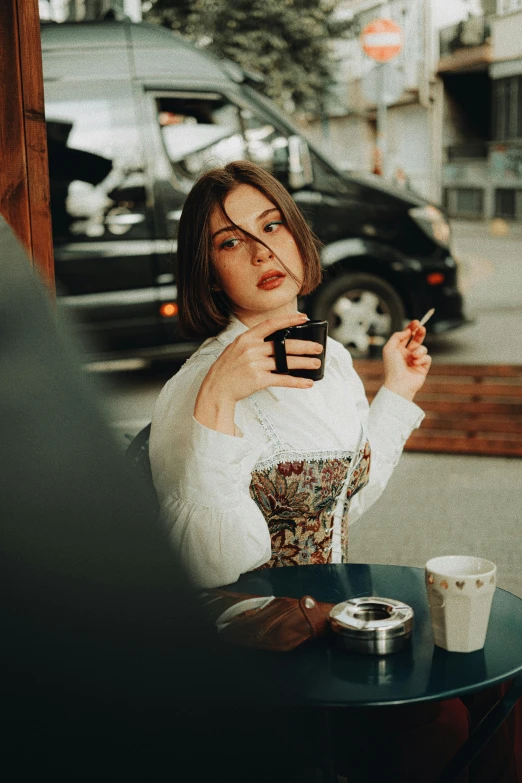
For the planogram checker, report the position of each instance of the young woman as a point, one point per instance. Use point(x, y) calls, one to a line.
point(256, 469)
point(253, 468)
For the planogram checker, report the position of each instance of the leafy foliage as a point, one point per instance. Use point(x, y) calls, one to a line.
point(287, 41)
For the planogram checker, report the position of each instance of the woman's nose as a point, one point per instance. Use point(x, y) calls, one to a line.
point(260, 253)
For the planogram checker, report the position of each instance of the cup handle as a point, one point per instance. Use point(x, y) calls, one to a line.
point(280, 353)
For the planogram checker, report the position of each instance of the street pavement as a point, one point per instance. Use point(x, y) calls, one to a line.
point(439, 504)
point(490, 269)
point(435, 504)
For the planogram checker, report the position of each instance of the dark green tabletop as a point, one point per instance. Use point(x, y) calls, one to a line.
point(318, 673)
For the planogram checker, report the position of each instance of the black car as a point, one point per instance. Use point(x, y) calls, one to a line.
point(134, 113)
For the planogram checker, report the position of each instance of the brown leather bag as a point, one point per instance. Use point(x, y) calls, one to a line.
point(266, 623)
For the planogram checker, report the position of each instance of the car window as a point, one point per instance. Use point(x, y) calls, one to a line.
point(266, 146)
point(199, 132)
point(96, 169)
point(202, 131)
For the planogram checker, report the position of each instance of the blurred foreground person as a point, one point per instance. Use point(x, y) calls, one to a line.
point(106, 668)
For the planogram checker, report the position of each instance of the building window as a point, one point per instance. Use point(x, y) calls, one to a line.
point(464, 202)
point(507, 108)
point(506, 6)
point(508, 203)
point(475, 150)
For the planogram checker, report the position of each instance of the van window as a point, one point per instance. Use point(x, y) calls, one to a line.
point(96, 169)
point(266, 146)
point(208, 130)
point(199, 133)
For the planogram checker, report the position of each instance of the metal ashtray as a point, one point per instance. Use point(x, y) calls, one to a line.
point(375, 626)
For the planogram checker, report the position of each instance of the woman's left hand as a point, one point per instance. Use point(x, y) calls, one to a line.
point(406, 364)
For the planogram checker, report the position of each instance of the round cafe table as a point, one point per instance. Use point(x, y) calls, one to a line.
point(320, 674)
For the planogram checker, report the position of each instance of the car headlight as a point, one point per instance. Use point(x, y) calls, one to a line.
point(433, 223)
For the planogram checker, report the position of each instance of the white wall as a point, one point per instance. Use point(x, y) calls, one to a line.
point(409, 146)
point(507, 37)
point(412, 145)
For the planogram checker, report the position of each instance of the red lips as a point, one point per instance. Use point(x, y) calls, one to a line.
point(272, 276)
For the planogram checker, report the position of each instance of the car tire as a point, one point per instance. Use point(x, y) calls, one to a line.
point(362, 311)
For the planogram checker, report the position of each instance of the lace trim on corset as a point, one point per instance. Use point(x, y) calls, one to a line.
point(285, 454)
point(288, 455)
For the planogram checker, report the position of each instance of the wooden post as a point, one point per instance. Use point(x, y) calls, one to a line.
point(24, 176)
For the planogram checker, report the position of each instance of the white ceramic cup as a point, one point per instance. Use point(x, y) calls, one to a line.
point(460, 591)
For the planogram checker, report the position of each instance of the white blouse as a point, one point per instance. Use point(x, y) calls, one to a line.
point(202, 476)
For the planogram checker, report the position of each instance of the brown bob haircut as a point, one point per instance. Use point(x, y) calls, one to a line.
point(202, 311)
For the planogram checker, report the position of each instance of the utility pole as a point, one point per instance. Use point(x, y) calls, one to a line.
point(381, 142)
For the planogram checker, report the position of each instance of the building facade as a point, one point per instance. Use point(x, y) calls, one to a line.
point(413, 118)
point(481, 69)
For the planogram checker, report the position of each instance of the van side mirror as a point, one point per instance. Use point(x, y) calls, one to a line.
point(300, 172)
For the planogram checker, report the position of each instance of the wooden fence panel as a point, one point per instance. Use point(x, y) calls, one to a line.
point(470, 409)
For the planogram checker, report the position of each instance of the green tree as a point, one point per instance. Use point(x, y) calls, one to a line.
point(286, 41)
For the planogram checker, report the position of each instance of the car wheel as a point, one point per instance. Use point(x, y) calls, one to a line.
point(362, 311)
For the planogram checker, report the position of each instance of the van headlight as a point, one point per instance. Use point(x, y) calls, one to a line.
point(433, 223)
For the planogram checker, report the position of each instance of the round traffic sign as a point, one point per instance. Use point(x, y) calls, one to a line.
point(382, 40)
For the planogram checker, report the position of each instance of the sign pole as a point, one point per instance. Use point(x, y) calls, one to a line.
point(382, 41)
point(382, 123)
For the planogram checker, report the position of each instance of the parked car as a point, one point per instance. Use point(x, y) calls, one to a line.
point(134, 113)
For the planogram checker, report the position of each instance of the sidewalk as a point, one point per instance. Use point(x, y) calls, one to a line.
point(508, 229)
point(491, 279)
point(439, 504)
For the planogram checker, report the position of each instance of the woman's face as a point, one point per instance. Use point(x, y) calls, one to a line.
point(250, 275)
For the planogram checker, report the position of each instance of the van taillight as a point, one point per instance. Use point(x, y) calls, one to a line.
point(168, 309)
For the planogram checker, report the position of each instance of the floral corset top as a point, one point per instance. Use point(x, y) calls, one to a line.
point(298, 495)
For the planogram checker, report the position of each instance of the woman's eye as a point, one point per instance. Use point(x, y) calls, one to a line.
point(228, 243)
point(272, 226)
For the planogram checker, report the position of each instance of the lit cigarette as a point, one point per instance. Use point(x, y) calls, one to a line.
point(426, 318)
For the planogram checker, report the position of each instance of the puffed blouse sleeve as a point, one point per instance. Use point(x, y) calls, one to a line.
point(387, 423)
point(202, 478)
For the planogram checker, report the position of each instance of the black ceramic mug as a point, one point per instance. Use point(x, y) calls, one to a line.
point(315, 331)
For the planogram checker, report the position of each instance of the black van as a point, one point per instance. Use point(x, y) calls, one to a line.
point(134, 113)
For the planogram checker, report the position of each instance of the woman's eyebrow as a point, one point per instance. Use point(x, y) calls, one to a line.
point(261, 216)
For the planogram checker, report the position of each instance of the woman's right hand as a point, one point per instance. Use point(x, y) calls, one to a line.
point(246, 366)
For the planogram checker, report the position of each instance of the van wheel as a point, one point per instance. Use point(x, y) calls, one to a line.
point(362, 312)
